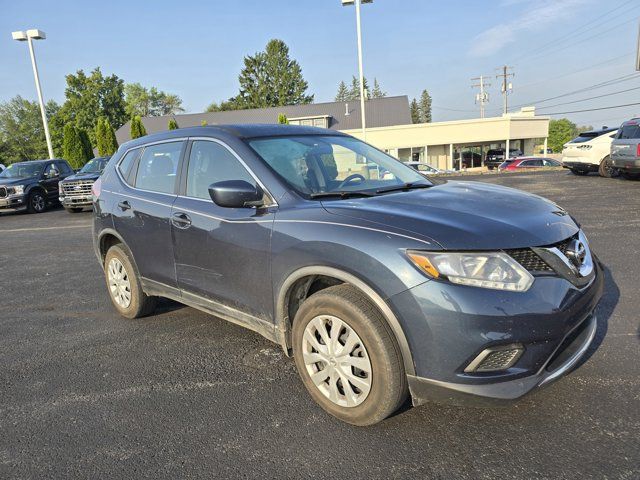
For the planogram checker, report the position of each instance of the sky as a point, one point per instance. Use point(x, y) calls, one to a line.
point(195, 49)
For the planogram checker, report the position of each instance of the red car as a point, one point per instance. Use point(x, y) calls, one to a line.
point(527, 163)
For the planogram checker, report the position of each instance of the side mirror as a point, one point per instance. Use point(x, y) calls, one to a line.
point(236, 194)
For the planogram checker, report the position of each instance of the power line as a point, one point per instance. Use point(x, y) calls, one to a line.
point(594, 109)
point(591, 98)
point(607, 83)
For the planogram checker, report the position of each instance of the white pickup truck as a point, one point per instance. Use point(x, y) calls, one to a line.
point(590, 152)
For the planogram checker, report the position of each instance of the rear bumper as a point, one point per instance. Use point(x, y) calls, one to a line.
point(564, 359)
point(572, 164)
point(632, 166)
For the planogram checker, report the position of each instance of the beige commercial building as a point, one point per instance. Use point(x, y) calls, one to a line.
point(389, 127)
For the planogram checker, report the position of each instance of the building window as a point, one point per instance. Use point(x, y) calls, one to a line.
point(321, 122)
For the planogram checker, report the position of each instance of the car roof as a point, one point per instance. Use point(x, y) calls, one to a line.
point(32, 162)
point(243, 131)
point(599, 132)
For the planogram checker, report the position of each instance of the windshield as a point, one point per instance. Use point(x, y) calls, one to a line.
point(94, 166)
point(22, 170)
point(315, 164)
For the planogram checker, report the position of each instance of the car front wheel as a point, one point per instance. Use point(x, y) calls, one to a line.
point(124, 286)
point(347, 357)
point(36, 203)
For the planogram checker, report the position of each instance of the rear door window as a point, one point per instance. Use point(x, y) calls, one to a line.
point(629, 132)
point(158, 166)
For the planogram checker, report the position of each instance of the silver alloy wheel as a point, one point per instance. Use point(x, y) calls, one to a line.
point(37, 202)
point(119, 284)
point(336, 360)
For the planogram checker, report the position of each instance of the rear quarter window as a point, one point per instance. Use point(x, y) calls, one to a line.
point(126, 165)
point(629, 132)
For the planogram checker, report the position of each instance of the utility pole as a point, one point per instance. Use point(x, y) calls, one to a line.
point(483, 96)
point(506, 87)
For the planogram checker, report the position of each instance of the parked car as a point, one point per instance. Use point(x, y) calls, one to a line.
point(542, 152)
point(426, 169)
point(2, 167)
point(379, 288)
point(625, 149)
point(32, 185)
point(495, 157)
point(75, 191)
point(528, 163)
point(590, 152)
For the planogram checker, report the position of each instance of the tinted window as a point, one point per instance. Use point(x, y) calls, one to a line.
point(210, 162)
point(126, 164)
point(158, 166)
point(531, 163)
point(64, 168)
point(51, 171)
point(629, 131)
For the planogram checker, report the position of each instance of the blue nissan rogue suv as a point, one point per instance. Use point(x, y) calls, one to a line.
point(380, 282)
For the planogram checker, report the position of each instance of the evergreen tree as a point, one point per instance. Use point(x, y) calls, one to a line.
point(271, 79)
point(74, 146)
point(173, 125)
point(282, 119)
point(343, 92)
point(425, 107)
point(137, 128)
point(100, 135)
point(377, 91)
point(86, 145)
point(354, 91)
point(110, 142)
point(415, 111)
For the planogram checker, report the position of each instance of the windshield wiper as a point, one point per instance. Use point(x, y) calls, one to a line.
point(341, 194)
point(406, 186)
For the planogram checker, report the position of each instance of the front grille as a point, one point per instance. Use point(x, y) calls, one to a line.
point(3, 192)
point(77, 188)
point(529, 260)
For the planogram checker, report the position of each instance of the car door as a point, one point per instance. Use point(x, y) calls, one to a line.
point(50, 179)
point(222, 255)
point(142, 211)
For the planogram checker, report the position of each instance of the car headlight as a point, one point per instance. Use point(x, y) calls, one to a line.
point(16, 190)
point(495, 270)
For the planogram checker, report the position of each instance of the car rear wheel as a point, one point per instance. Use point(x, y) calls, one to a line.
point(36, 203)
point(575, 171)
point(124, 286)
point(347, 357)
point(606, 169)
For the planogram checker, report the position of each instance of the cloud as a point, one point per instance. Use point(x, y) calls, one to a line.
point(536, 16)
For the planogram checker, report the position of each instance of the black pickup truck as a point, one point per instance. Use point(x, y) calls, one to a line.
point(75, 191)
point(32, 185)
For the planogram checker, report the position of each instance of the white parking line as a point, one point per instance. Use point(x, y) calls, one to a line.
point(37, 229)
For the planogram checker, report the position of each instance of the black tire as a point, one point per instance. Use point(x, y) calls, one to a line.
point(630, 176)
point(36, 202)
point(73, 210)
point(388, 389)
point(606, 170)
point(140, 303)
point(575, 171)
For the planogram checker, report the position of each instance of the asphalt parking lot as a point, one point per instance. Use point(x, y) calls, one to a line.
point(86, 393)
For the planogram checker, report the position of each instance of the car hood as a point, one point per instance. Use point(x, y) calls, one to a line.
point(465, 215)
point(82, 176)
point(7, 182)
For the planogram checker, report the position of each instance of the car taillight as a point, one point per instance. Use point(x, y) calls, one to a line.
point(96, 188)
point(638, 150)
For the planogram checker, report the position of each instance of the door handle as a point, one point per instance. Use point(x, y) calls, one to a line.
point(125, 205)
point(181, 220)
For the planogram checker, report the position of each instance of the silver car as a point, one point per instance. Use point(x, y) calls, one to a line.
point(625, 149)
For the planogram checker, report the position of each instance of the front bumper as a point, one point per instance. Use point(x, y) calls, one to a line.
point(13, 203)
point(632, 166)
point(76, 201)
point(447, 326)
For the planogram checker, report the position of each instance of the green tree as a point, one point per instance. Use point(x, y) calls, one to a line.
point(137, 128)
point(204, 123)
point(100, 136)
point(343, 92)
point(172, 125)
point(106, 142)
point(75, 146)
point(21, 131)
point(560, 132)
point(271, 79)
point(282, 119)
point(354, 90)
point(91, 97)
point(150, 102)
point(377, 92)
point(425, 107)
point(415, 111)
point(223, 106)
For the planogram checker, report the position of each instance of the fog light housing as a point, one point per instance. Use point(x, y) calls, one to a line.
point(496, 358)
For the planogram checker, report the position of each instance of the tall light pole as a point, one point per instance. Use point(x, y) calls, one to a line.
point(359, 30)
point(29, 36)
